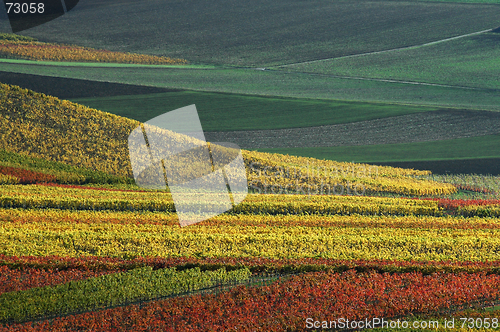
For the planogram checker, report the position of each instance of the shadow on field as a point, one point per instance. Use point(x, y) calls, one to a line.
point(67, 88)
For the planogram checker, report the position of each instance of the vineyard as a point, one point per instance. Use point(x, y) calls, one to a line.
point(17, 47)
point(83, 248)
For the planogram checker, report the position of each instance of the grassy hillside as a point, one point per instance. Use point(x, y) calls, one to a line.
point(262, 32)
point(470, 62)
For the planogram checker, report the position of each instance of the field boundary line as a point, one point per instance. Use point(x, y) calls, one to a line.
point(389, 50)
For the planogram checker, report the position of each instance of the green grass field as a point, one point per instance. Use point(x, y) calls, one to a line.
point(273, 83)
point(470, 61)
point(262, 32)
point(227, 112)
point(463, 148)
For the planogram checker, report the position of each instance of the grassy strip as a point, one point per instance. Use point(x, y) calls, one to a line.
point(13, 46)
point(108, 290)
point(461, 148)
point(274, 83)
point(227, 112)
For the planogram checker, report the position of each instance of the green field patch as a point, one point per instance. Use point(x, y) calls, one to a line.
point(462, 148)
point(274, 83)
point(470, 62)
point(227, 112)
point(263, 32)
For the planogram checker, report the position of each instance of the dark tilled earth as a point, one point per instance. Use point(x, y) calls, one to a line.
point(67, 88)
point(420, 127)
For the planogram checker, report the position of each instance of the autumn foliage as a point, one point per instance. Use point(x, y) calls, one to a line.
point(286, 304)
point(34, 50)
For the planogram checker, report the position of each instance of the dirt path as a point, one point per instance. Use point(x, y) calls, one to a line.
point(420, 127)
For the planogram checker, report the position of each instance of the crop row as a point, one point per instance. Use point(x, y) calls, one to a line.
point(142, 240)
point(255, 264)
point(85, 204)
point(34, 50)
point(8, 179)
point(54, 216)
point(109, 290)
point(286, 305)
point(36, 197)
point(70, 198)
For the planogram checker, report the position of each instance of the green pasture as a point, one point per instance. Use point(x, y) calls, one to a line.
point(462, 148)
point(469, 61)
point(227, 112)
point(273, 83)
point(262, 32)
